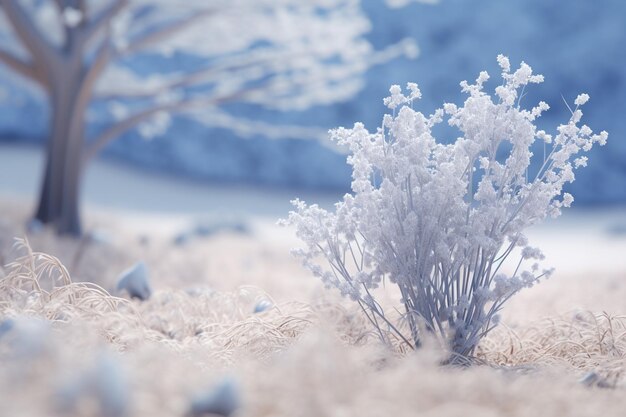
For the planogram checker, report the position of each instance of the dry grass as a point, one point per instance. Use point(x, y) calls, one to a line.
point(582, 341)
point(313, 357)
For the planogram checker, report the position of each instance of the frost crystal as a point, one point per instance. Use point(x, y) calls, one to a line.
point(581, 99)
point(440, 220)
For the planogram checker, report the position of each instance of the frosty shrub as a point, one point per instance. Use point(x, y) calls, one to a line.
point(440, 220)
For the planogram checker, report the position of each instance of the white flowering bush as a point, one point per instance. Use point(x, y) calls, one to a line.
point(440, 220)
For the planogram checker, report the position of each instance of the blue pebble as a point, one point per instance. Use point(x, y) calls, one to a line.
point(135, 281)
point(223, 400)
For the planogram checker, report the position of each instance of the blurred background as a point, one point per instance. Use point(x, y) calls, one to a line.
point(181, 130)
point(578, 47)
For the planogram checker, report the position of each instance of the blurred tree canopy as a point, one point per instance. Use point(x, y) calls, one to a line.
point(280, 54)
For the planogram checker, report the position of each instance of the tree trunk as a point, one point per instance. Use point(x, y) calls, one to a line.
point(49, 208)
point(59, 196)
point(69, 220)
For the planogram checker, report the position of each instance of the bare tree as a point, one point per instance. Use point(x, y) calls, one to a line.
point(271, 53)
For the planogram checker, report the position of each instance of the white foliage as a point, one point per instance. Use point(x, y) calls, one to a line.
point(72, 17)
point(402, 3)
point(438, 220)
point(156, 126)
point(248, 128)
point(118, 110)
point(280, 54)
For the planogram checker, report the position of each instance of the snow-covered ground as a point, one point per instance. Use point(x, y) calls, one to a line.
point(586, 246)
point(311, 354)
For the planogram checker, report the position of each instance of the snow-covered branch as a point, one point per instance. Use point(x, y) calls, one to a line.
point(158, 34)
point(207, 101)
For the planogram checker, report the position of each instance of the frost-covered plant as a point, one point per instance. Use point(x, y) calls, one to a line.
point(440, 220)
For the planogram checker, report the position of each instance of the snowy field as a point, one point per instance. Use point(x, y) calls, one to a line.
point(215, 256)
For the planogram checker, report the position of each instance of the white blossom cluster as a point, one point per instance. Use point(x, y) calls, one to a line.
point(440, 220)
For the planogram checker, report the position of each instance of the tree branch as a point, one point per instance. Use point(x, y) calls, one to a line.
point(103, 56)
point(111, 133)
point(108, 135)
point(23, 68)
point(30, 36)
point(62, 4)
point(209, 73)
point(165, 32)
point(91, 74)
point(103, 19)
point(117, 129)
point(188, 80)
point(82, 6)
